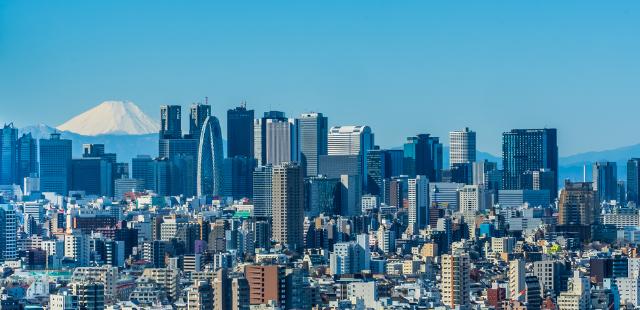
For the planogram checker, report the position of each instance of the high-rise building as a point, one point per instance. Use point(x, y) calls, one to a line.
point(240, 132)
point(8, 231)
point(517, 273)
point(529, 150)
point(456, 281)
point(322, 196)
point(288, 205)
point(377, 171)
point(633, 180)
point(170, 122)
point(462, 147)
point(182, 152)
point(90, 295)
point(312, 131)
point(351, 140)
point(200, 296)
point(605, 181)
point(27, 161)
point(8, 142)
point(266, 284)
point(274, 139)
point(578, 296)
point(197, 118)
point(210, 157)
point(55, 164)
point(350, 195)
point(423, 156)
point(262, 191)
point(238, 177)
point(578, 204)
point(418, 203)
point(482, 172)
point(93, 175)
point(350, 257)
point(472, 199)
point(141, 170)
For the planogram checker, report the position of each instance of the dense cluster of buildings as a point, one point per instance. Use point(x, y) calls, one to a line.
point(293, 214)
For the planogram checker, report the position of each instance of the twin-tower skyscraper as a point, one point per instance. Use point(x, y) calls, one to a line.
point(201, 149)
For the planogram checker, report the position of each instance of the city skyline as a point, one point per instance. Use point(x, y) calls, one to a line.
point(469, 65)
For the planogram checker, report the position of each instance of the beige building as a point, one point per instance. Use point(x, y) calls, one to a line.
point(455, 285)
point(288, 205)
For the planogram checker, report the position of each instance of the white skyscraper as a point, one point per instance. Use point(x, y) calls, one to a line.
point(351, 140)
point(462, 147)
point(418, 202)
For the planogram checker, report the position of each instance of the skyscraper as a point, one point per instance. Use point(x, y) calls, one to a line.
point(238, 177)
point(170, 122)
point(240, 132)
point(423, 156)
point(605, 181)
point(8, 231)
point(418, 203)
point(577, 204)
point(182, 152)
point(197, 118)
point(27, 162)
point(210, 157)
point(273, 139)
point(288, 205)
point(456, 281)
point(312, 140)
point(633, 180)
point(55, 164)
point(262, 192)
point(8, 141)
point(462, 147)
point(351, 140)
point(529, 150)
point(377, 171)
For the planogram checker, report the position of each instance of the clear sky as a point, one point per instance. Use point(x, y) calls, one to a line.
point(402, 67)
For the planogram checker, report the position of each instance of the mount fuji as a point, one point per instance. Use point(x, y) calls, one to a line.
point(120, 125)
point(111, 118)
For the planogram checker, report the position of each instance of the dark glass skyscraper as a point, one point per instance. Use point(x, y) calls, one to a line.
point(529, 150)
point(27, 162)
point(423, 156)
point(55, 164)
point(312, 130)
point(633, 180)
point(377, 169)
point(240, 132)
point(8, 141)
point(170, 122)
point(197, 116)
point(605, 181)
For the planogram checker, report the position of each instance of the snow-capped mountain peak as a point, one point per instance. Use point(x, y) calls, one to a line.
point(111, 117)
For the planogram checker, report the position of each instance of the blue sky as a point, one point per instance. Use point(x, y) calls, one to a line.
point(402, 67)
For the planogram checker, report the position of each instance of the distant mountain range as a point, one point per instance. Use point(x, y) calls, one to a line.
point(125, 146)
point(572, 167)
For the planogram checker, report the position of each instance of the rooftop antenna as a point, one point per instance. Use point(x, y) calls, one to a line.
point(584, 172)
point(206, 100)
